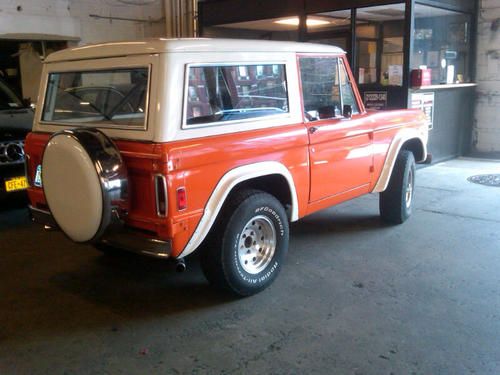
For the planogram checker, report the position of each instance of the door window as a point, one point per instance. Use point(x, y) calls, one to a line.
point(320, 87)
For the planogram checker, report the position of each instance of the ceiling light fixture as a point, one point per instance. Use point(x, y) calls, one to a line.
point(294, 21)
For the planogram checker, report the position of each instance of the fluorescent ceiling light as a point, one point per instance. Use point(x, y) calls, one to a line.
point(294, 21)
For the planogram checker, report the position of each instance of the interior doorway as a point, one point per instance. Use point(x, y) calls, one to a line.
point(21, 63)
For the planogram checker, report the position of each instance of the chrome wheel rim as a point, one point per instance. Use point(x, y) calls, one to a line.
point(257, 244)
point(409, 189)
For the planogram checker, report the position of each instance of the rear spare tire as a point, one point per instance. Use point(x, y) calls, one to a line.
point(84, 181)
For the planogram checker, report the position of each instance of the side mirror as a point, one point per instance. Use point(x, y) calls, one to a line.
point(347, 111)
point(26, 102)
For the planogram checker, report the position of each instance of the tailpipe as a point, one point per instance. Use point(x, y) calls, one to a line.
point(180, 265)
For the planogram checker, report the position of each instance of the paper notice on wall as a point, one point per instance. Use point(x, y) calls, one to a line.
point(396, 75)
point(361, 79)
point(375, 99)
point(424, 102)
point(450, 74)
point(433, 59)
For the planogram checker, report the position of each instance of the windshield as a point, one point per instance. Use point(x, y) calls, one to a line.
point(107, 97)
point(8, 100)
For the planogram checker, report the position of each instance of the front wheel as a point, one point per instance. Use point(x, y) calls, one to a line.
point(248, 246)
point(396, 202)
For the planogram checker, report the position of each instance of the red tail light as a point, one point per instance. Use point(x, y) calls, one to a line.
point(181, 199)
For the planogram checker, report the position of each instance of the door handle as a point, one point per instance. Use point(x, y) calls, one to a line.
point(313, 129)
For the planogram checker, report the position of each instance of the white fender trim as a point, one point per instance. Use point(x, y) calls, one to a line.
point(402, 136)
point(224, 187)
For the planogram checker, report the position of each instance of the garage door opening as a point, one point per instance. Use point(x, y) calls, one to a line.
point(21, 64)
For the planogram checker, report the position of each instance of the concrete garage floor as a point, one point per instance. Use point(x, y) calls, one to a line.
point(355, 297)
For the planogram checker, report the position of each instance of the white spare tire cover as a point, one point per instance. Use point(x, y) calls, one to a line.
point(84, 181)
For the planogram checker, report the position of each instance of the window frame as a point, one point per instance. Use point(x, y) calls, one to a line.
point(188, 66)
point(349, 82)
point(97, 124)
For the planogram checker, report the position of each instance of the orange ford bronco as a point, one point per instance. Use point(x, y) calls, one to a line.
point(164, 147)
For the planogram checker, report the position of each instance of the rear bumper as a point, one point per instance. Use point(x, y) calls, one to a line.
point(122, 238)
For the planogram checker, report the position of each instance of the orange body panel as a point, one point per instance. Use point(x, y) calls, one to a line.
point(341, 160)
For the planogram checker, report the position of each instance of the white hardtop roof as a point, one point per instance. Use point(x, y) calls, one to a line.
point(153, 46)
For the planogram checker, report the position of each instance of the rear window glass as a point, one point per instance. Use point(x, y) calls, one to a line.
point(108, 97)
point(236, 92)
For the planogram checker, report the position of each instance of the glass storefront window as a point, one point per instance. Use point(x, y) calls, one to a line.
point(379, 44)
point(333, 28)
point(284, 28)
point(442, 44)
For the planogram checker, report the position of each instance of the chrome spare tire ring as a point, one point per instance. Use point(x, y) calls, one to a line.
point(84, 181)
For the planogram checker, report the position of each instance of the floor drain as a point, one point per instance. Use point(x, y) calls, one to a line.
point(486, 179)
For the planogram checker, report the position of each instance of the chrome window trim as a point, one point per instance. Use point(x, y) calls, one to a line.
point(344, 73)
point(187, 67)
point(142, 127)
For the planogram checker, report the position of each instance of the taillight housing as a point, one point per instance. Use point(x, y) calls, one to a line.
point(181, 199)
point(161, 195)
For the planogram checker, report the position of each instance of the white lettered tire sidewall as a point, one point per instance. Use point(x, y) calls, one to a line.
point(261, 204)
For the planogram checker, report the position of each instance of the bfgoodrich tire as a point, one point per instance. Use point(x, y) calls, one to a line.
point(245, 252)
point(396, 202)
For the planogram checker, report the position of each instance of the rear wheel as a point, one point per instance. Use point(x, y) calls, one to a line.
point(396, 202)
point(246, 250)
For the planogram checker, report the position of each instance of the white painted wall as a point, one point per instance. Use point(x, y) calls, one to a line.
point(487, 117)
point(70, 19)
point(23, 19)
point(95, 30)
point(75, 21)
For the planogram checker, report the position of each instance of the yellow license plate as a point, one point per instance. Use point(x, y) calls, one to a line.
point(17, 183)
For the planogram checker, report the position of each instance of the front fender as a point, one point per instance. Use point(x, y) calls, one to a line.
point(399, 140)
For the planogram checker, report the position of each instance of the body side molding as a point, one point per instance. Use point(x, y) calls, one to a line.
point(403, 136)
point(224, 187)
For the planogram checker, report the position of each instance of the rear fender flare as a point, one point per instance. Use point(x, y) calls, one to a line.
point(224, 188)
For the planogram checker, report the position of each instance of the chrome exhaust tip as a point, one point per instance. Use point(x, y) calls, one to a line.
point(180, 265)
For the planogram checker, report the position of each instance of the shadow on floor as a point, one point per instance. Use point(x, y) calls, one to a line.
point(62, 287)
point(328, 222)
point(134, 286)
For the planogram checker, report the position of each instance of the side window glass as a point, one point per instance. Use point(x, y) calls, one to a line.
point(320, 87)
point(238, 92)
point(346, 88)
